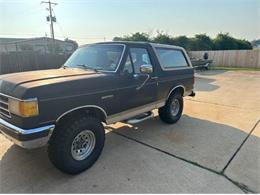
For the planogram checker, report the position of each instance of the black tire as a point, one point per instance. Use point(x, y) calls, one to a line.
point(60, 151)
point(166, 114)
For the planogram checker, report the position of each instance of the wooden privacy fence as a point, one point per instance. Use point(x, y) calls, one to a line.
point(27, 61)
point(232, 58)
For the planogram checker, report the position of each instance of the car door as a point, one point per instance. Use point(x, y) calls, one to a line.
point(136, 89)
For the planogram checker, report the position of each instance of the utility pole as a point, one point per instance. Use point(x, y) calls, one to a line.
point(51, 18)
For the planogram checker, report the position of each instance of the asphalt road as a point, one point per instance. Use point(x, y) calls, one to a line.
point(214, 148)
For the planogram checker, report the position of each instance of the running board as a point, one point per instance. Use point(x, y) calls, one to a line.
point(146, 116)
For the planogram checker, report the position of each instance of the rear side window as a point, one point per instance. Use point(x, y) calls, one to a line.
point(170, 58)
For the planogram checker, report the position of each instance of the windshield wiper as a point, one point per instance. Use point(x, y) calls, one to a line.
point(87, 67)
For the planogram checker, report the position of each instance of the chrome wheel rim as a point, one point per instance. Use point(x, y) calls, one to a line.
point(83, 145)
point(175, 107)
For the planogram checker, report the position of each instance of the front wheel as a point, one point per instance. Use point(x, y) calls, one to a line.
point(172, 111)
point(76, 144)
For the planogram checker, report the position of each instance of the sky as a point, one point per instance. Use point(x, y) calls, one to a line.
point(88, 21)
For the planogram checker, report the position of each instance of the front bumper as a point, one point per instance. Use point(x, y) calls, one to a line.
point(26, 138)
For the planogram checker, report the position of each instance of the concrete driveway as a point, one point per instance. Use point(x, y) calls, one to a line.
point(214, 148)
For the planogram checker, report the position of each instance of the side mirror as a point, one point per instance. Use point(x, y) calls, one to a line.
point(146, 68)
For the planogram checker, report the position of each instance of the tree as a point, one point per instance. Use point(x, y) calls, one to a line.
point(118, 39)
point(182, 41)
point(201, 42)
point(134, 37)
point(226, 42)
point(163, 38)
point(198, 42)
point(244, 44)
point(75, 44)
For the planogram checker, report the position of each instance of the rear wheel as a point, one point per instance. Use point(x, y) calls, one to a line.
point(76, 144)
point(172, 110)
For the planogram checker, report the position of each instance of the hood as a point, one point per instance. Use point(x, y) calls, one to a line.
point(31, 76)
point(9, 82)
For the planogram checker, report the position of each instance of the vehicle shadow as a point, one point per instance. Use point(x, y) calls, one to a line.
point(204, 142)
point(205, 84)
point(210, 72)
point(21, 169)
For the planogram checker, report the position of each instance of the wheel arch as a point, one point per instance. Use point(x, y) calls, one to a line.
point(93, 110)
point(180, 88)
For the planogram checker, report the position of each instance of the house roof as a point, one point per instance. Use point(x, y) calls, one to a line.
point(6, 41)
point(9, 40)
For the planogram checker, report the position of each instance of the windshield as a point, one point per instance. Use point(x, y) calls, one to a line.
point(97, 57)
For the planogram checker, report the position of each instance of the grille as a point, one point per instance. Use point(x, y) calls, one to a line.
point(4, 106)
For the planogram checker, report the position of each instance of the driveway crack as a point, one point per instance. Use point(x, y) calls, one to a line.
point(241, 145)
point(240, 186)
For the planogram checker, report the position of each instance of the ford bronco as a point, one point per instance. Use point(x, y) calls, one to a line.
point(99, 84)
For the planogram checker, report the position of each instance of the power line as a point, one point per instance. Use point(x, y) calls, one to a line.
point(59, 25)
point(62, 32)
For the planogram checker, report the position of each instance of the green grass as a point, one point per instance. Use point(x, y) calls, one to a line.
point(233, 68)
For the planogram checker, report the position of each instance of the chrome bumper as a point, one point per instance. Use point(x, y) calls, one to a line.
point(26, 138)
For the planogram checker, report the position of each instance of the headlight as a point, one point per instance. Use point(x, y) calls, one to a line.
point(24, 108)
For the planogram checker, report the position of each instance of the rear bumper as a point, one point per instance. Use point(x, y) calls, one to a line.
point(26, 138)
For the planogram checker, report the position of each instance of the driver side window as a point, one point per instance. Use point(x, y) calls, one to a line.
point(136, 58)
point(140, 57)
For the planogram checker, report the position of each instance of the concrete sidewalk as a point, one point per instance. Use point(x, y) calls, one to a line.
point(214, 148)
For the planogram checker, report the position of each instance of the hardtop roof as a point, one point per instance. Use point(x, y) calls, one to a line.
point(137, 43)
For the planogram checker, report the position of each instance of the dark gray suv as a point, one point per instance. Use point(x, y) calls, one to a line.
point(99, 84)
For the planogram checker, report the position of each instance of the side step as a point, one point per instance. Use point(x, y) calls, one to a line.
point(140, 118)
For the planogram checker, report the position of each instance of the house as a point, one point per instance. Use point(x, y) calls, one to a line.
point(40, 44)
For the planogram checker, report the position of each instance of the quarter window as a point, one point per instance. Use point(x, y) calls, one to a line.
point(170, 58)
point(128, 68)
